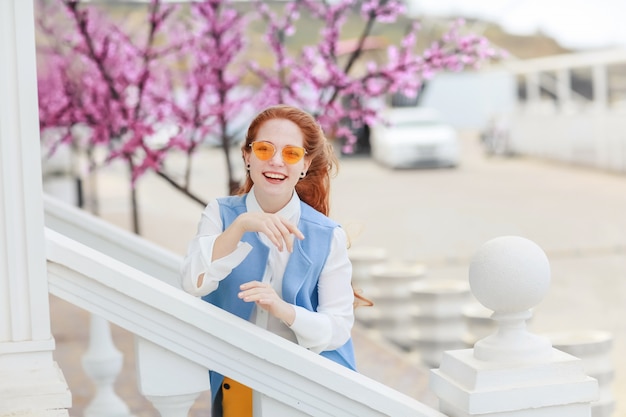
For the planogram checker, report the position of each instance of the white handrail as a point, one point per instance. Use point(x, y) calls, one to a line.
point(215, 339)
point(111, 240)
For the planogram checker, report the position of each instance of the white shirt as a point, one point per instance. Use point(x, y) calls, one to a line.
point(328, 328)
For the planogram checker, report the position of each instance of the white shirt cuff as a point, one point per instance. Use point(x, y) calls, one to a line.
point(303, 325)
point(217, 270)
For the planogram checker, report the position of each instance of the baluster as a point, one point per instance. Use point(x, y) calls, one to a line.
point(170, 382)
point(393, 282)
point(438, 323)
point(478, 323)
point(173, 405)
point(363, 260)
point(593, 348)
point(103, 363)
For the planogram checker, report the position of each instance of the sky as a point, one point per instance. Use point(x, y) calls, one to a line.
point(575, 24)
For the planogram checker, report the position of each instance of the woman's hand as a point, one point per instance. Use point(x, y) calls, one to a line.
point(278, 230)
point(265, 297)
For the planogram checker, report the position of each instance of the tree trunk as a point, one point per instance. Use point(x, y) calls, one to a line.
point(133, 202)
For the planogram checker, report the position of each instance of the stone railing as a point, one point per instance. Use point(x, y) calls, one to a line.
point(427, 317)
point(179, 338)
point(183, 337)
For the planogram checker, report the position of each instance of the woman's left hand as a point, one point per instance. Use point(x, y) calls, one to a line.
point(265, 297)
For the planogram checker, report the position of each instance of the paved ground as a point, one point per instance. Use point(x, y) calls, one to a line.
point(438, 218)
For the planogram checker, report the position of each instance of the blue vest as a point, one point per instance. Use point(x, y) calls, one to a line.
point(301, 274)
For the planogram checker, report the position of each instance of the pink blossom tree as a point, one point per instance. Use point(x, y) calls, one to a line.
point(316, 80)
point(141, 96)
point(100, 87)
point(212, 93)
point(97, 87)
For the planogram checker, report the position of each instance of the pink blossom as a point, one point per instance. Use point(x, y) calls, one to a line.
point(188, 70)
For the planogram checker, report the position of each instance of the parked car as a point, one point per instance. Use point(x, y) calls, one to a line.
point(414, 137)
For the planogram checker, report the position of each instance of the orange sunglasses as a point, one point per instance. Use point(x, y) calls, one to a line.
point(266, 150)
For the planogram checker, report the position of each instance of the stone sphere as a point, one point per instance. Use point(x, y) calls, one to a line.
point(509, 274)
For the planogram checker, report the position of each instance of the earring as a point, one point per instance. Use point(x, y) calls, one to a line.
point(248, 167)
point(302, 174)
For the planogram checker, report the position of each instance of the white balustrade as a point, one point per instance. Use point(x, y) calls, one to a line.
point(392, 293)
point(593, 347)
point(187, 336)
point(512, 372)
point(478, 323)
point(437, 323)
point(363, 259)
point(103, 363)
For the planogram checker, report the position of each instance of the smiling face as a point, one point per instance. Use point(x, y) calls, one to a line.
point(275, 180)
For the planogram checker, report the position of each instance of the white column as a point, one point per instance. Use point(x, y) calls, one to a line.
point(600, 87)
point(564, 90)
point(30, 381)
point(533, 90)
point(512, 372)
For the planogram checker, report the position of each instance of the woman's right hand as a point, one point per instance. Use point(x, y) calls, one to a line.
point(277, 229)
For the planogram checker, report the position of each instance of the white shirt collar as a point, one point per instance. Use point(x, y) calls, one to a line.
point(291, 211)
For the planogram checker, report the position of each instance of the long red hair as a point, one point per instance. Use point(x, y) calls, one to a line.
point(314, 188)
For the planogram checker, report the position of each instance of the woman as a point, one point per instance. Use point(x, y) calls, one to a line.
point(270, 254)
